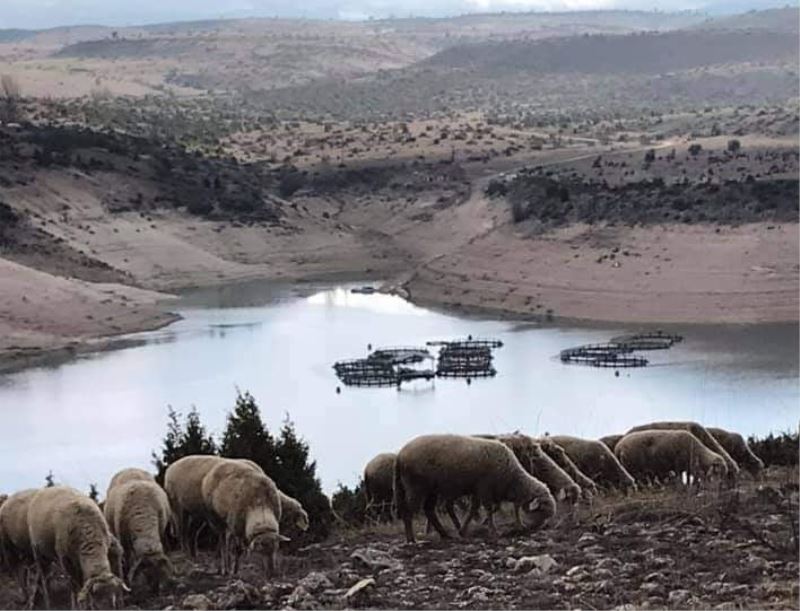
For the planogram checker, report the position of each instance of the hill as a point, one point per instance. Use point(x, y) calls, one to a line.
point(785, 19)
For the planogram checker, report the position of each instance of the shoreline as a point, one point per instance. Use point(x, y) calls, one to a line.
point(17, 359)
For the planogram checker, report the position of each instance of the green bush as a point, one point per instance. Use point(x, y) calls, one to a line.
point(782, 449)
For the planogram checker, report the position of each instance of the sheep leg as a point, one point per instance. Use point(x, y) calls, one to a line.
point(490, 509)
point(41, 579)
point(473, 512)
point(429, 507)
point(517, 516)
point(451, 511)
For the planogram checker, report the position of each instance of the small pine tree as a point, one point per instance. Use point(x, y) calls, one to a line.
point(246, 436)
point(350, 505)
point(182, 441)
point(94, 494)
point(49, 481)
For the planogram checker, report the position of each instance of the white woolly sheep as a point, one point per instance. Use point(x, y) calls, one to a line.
point(596, 461)
point(67, 527)
point(658, 454)
point(246, 505)
point(430, 468)
point(700, 432)
point(129, 475)
point(138, 513)
point(379, 479)
point(611, 441)
point(560, 457)
point(15, 541)
point(183, 481)
point(292, 512)
point(738, 449)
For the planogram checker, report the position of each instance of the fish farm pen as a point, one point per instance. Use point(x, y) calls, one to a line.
point(470, 358)
point(618, 353)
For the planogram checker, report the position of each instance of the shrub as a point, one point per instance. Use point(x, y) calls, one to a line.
point(781, 449)
point(182, 440)
point(734, 146)
point(694, 149)
point(350, 505)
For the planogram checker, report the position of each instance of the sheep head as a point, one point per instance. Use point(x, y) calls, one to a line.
point(105, 588)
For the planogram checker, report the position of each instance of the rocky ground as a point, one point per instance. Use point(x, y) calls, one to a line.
point(658, 549)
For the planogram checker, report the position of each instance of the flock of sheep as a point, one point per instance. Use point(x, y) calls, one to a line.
point(103, 548)
point(439, 470)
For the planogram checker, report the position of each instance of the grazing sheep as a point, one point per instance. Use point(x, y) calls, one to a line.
point(560, 457)
point(596, 461)
point(66, 526)
point(611, 441)
point(379, 479)
point(246, 504)
point(128, 475)
point(137, 513)
point(15, 541)
point(738, 449)
point(292, 511)
point(700, 432)
point(448, 467)
point(657, 454)
point(538, 464)
point(183, 481)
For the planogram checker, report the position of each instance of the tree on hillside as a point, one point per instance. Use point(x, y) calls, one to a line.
point(180, 441)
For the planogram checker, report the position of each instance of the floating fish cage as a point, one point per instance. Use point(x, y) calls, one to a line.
point(470, 358)
point(609, 359)
point(656, 340)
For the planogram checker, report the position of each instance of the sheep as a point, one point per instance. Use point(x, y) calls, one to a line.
point(379, 479)
point(182, 482)
point(611, 441)
point(247, 506)
point(661, 453)
point(128, 475)
point(449, 467)
point(738, 449)
point(137, 512)
point(538, 464)
point(596, 461)
point(560, 457)
point(15, 541)
point(700, 432)
point(68, 527)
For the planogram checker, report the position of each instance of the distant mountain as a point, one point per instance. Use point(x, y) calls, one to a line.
point(775, 20)
point(642, 53)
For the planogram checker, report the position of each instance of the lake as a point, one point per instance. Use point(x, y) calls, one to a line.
point(88, 418)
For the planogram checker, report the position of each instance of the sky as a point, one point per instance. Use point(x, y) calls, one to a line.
point(36, 14)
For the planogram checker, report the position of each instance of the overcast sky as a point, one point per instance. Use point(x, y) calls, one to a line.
point(50, 13)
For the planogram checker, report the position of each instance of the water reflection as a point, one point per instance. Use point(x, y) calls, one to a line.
point(88, 418)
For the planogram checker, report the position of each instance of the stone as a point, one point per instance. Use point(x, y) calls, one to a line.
point(575, 569)
point(236, 595)
point(727, 606)
point(198, 602)
point(360, 589)
point(679, 597)
point(543, 563)
point(511, 563)
point(315, 581)
point(375, 559)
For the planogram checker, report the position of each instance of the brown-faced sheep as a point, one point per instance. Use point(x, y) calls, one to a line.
point(246, 506)
point(138, 512)
point(596, 461)
point(611, 441)
point(560, 457)
point(430, 468)
point(183, 481)
point(658, 454)
point(379, 480)
point(700, 432)
point(129, 475)
point(738, 449)
point(15, 540)
point(67, 527)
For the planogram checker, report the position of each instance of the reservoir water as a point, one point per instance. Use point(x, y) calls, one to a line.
point(86, 419)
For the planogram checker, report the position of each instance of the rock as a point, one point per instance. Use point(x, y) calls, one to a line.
point(477, 594)
point(651, 588)
point(315, 581)
point(653, 577)
point(727, 606)
point(511, 563)
point(679, 598)
point(199, 602)
point(360, 590)
point(602, 574)
point(236, 595)
point(575, 569)
point(300, 598)
point(586, 538)
point(375, 559)
point(543, 563)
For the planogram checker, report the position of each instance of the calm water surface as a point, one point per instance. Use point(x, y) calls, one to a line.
point(86, 419)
